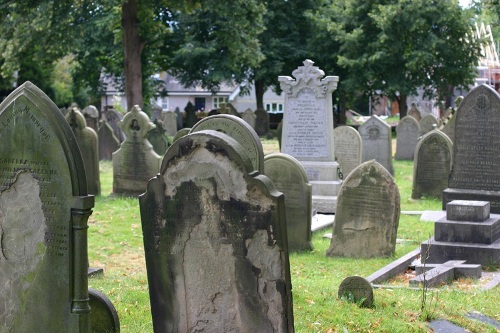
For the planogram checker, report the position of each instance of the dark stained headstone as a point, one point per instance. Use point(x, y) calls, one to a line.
point(358, 290)
point(408, 132)
point(475, 173)
point(179, 120)
point(91, 115)
point(44, 208)
point(103, 316)
point(157, 138)
point(290, 178)
point(87, 141)
point(135, 163)
point(432, 164)
point(377, 142)
point(367, 217)
point(261, 122)
point(113, 118)
point(190, 112)
point(215, 241)
point(108, 142)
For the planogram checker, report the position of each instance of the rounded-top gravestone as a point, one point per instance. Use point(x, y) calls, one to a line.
point(358, 290)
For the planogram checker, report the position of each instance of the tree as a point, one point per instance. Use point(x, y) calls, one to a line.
point(397, 46)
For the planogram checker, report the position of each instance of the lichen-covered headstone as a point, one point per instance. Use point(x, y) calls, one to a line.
point(170, 122)
point(87, 141)
point(44, 208)
point(290, 178)
point(108, 142)
point(432, 164)
point(135, 163)
point(408, 132)
point(367, 217)
point(377, 142)
point(348, 148)
point(215, 241)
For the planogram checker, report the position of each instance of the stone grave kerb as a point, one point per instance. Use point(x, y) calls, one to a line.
point(136, 124)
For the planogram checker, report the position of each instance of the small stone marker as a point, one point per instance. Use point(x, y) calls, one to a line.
point(239, 130)
point(357, 289)
point(408, 132)
point(475, 172)
point(215, 241)
point(289, 177)
point(108, 143)
point(135, 163)
point(427, 124)
point(348, 148)
point(169, 119)
point(466, 210)
point(377, 142)
point(249, 116)
point(431, 168)
point(87, 141)
point(367, 217)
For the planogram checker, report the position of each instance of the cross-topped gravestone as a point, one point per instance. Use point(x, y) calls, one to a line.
point(432, 275)
point(135, 163)
point(44, 208)
point(308, 130)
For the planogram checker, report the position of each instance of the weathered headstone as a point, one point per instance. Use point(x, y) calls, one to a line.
point(290, 178)
point(157, 138)
point(427, 124)
point(408, 132)
point(239, 130)
point(215, 241)
point(190, 112)
point(135, 163)
point(44, 208)
point(170, 122)
point(113, 118)
point(86, 138)
point(475, 174)
point(91, 115)
point(180, 133)
point(261, 122)
point(108, 142)
point(415, 113)
point(367, 217)
point(432, 165)
point(356, 289)
point(308, 130)
point(103, 315)
point(249, 117)
point(228, 108)
point(180, 122)
point(348, 148)
point(377, 142)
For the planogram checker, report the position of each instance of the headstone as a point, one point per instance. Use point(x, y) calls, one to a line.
point(190, 112)
point(170, 122)
point(432, 165)
point(113, 118)
point(377, 142)
point(414, 112)
point(348, 148)
point(215, 241)
point(44, 208)
point(213, 112)
point(103, 316)
point(180, 123)
point(180, 133)
point(290, 178)
point(157, 138)
point(427, 124)
point(367, 217)
point(261, 122)
point(449, 126)
point(135, 163)
point(228, 108)
point(468, 232)
point(156, 112)
point(86, 138)
point(108, 142)
point(408, 132)
point(91, 115)
point(249, 117)
point(308, 130)
point(239, 130)
point(475, 173)
point(356, 289)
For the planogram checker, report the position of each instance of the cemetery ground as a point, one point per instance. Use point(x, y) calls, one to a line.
point(115, 244)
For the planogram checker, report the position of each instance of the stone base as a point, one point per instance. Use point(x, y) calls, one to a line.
point(468, 232)
point(440, 252)
point(493, 197)
point(325, 183)
point(324, 204)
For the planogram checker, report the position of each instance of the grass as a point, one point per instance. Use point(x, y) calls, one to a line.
point(115, 243)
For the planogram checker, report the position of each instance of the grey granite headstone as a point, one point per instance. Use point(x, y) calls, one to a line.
point(170, 122)
point(427, 124)
point(91, 115)
point(348, 148)
point(249, 117)
point(308, 130)
point(86, 138)
point(475, 173)
point(432, 165)
point(408, 132)
point(261, 122)
point(135, 163)
point(215, 241)
point(377, 142)
point(239, 130)
point(367, 217)
point(157, 138)
point(356, 289)
point(290, 178)
point(108, 142)
point(44, 208)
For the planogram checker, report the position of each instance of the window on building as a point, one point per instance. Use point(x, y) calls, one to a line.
point(274, 107)
point(164, 103)
point(218, 100)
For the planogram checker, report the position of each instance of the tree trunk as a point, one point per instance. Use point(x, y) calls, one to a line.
point(259, 93)
point(132, 50)
point(403, 108)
